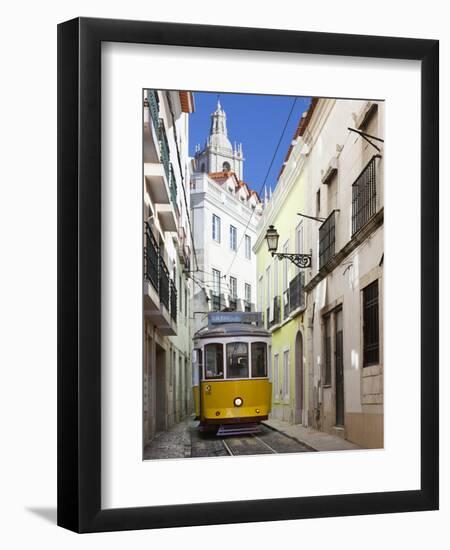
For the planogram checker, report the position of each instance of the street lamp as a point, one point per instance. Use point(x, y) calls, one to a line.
point(300, 260)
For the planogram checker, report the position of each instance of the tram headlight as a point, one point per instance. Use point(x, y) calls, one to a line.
point(238, 401)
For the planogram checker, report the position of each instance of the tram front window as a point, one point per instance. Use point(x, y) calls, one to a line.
point(259, 360)
point(237, 360)
point(213, 361)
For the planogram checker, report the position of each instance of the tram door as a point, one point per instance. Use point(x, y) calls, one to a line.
point(339, 370)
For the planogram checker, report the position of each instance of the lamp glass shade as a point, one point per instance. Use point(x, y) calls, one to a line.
point(272, 238)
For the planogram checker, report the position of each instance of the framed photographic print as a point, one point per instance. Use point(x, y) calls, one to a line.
point(248, 275)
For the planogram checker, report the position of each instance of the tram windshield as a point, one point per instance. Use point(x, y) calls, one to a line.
point(213, 361)
point(259, 360)
point(237, 360)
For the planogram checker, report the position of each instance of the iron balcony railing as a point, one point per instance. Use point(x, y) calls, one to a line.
point(233, 303)
point(153, 102)
point(364, 195)
point(173, 301)
point(276, 312)
point(173, 188)
point(327, 239)
point(151, 257)
point(155, 271)
point(164, 149)
point(296, 292)
point(247, 306)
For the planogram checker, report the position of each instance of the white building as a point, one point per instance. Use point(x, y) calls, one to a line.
point(167, 259)
point(225, 213)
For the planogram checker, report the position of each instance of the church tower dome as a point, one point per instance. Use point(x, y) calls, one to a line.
point(218, 154)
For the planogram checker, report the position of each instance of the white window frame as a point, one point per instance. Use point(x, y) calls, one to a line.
point(216, 286)
point(233, 238)
point(233, 291)
point(248, 295)
point(286, 374)
point(276, 284)
point(276, 376)
point(216, 228)
point(248, 247)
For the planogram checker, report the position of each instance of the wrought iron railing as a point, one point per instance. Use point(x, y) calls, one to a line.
point(327, 239)
point(155, 271)
point(153, 102)
point(173, 301)
point(173, 187)
point(233, 303)
point(364, 195)
point(151, 258)
point(247, 306)
point(164, 148)
point(296, 292)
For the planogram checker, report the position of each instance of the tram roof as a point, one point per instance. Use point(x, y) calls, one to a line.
point(227, 330)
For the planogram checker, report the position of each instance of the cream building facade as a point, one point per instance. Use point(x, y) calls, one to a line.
point(327, 354)
point(167, 260)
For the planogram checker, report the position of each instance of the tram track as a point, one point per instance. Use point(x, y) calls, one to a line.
point(242, 446)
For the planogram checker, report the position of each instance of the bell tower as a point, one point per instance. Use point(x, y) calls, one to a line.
point(219, 155)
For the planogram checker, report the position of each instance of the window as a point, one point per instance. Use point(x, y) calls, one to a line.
point(185, 301)
point(299, 241)
point(327, 350)
point(248, 247)
point(275, 276)
point(213, 361)
point(286, 375)
point(261, 293)
point(216, 290)
point(276, 378)
point(259, 359)
point(237, 360)
point(233, 238)
point(318, 203)
point(371, 338)
point(233, 292)
point(181, 301)
point(248, 297)
point(216, 228)
point(268, 296)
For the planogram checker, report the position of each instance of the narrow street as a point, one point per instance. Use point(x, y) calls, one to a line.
point(185, 441)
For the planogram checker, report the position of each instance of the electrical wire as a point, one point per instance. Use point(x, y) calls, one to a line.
point(264, 183)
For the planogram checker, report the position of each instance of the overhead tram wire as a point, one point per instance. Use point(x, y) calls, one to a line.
point(264, 183)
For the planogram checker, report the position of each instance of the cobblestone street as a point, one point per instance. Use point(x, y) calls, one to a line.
point(185, 441)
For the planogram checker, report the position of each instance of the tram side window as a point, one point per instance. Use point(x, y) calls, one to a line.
point(237, 360)
point(213, 361)
point(259, 360)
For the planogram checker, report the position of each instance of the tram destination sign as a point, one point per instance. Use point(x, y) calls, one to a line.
point(220, 318)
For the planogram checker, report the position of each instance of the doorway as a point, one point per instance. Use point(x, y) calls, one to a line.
point(339, 370)
point(160, 389)
point(299, 386)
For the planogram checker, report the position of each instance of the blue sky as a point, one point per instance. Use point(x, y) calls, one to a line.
point(255, 120)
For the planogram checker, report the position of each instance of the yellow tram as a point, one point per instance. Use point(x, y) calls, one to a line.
point(231, 385)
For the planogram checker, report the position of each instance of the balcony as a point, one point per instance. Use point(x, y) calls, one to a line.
point(276, 314)
point(327, 239)
point(247, 306)
point(364, 196)
point(233, 303)
point(160, 296)
point(296, 293)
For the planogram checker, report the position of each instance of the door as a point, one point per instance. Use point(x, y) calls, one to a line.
point(160, 389)
point(298, 378)
point(339, 370)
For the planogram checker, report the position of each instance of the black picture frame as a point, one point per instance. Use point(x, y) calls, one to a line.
point(79, 274)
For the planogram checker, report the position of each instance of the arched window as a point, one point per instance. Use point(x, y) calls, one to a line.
point(226, 166)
